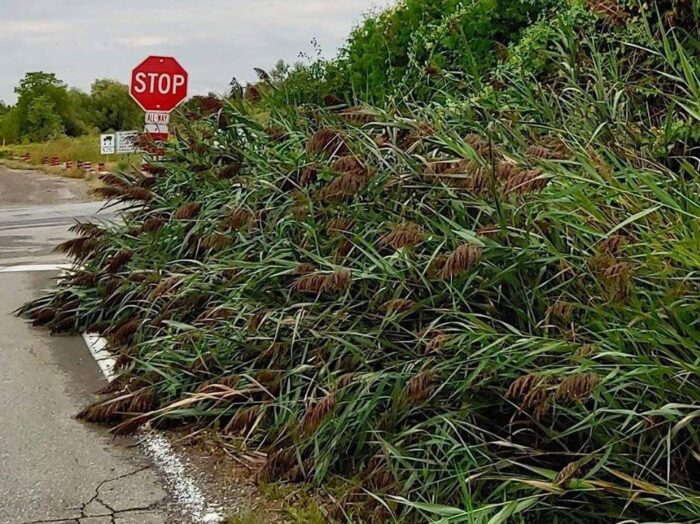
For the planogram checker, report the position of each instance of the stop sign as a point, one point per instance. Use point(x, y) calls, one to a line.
point(159, 83)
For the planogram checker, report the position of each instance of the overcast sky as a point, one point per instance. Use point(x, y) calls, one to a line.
point(81, 40)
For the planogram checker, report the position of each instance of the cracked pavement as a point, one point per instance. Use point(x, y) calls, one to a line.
point(54, 468)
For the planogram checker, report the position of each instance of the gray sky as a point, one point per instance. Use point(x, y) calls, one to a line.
point(81, 40)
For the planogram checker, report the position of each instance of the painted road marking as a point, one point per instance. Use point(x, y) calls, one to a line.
point(35, 267)
point(182, 487)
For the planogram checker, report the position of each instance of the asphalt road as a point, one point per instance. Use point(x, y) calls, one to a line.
point(52, 467)
point(36, 211)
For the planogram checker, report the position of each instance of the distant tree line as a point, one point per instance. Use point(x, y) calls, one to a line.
point(47, 108)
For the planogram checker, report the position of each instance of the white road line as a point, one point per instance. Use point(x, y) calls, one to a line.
point(97, 346)
point(181, 486)
point(35, 267)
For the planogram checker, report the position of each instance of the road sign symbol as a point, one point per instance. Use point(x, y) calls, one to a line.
point(159, 83)
point(108, 144)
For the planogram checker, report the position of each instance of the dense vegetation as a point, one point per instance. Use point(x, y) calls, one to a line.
point(475, 301)
point(46, 109)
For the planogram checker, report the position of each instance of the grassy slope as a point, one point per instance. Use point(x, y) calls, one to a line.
point(484, 309)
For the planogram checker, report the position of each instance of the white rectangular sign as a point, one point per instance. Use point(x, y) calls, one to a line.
point(157, 117)
point(126, 142)
point(156, 128)
point(108, 145)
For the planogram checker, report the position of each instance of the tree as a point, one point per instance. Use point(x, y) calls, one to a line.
point(112, 107)
point(55, 107)
point(44, 122)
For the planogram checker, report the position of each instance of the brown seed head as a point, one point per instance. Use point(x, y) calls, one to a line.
point(397, 305)
point(357, 115)
point(461, 259)
point(419, 387)
point(118, 261)
point(613, 245)
point(229, 171)
point(153, 224)
point(343, 186)
point(315, 415)
point(327, 141)
point(405, 235)
point(187, 211)
point(243, 421)
point(579, 386)
point(340, 225)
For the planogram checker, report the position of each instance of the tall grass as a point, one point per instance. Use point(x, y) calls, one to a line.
point(483, 310)
point(85, 148)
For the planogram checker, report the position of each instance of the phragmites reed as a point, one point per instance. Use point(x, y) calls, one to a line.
point(342, 250)
point(256, 320)
point(187, 211)
point(533, 392)
point(237, 219)
point(613, 245)
point(478, 144)
point(579, 386)
point(253, 93)
point(419, 388)
point(460, 260)
point(516, 180)
point(79, 248)
point(118, 261)
point(397, 305)
point(43, 316)
point(113, 180)
point(86, 229)
point(406, 235)
point(436, 342)
point(229, 171)
point(357, 115)
point(153, 224)
point(348, 164)
point(561, 310)
point(345, 185)
point(617, 271)
point(327, 141)
point(216, 242)
point(319, 411)
point(125, 331)
point(323, 282)
point(278, 463)
point(309, 175)
point(461, 174)
point(243, 421)
point(166, 286)
point(340, 225)
point(305, 268)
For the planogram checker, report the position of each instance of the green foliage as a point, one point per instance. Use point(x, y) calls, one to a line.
point(412, 44)
point(113, 108)
point(43, 120)
point(46, 108)
point(481, 308)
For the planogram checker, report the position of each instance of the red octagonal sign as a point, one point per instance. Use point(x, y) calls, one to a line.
point(159, 83)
